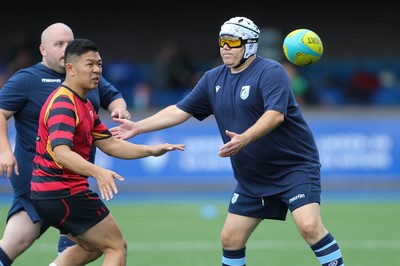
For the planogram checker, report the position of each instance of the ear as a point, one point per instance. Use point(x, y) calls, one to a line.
point(69, 68)
point(42, 49)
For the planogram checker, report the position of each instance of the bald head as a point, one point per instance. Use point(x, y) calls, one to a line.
point(54, 31)
point(54, 39)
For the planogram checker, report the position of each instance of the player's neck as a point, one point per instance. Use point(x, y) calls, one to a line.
point(235, 70)
point(76, 88)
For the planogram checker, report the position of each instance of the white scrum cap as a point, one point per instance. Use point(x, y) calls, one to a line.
point(245, 29)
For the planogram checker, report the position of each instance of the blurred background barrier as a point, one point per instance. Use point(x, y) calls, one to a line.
point(358, 149)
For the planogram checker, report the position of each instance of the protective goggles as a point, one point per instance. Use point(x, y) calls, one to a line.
point(234, 42)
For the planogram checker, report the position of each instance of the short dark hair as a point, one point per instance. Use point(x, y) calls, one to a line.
point(78, 47)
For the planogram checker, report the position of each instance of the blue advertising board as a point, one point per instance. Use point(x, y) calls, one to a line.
point(355, 150)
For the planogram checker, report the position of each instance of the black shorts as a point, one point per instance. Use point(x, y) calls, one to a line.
point(75, 214)
point(275, 207)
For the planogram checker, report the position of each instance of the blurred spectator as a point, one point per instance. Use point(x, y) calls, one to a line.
point(301, 87)
point(171, 70)
point(270, 43)
point(171, 74)
point(141, 96)
point(389, 92)
point(24, 53)
point(362, 87)
point(123, 74)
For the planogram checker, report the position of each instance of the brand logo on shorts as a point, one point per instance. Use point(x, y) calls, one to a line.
point(234, 198)
point(333, 263)
point(299, 196)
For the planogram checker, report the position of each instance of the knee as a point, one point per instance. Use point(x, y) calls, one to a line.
point(121, 250)
point(120, 247)
point(228, 240)
point(311, 230)
point(225, 240)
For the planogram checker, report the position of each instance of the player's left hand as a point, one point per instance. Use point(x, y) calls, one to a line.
point(161, 149)
point(106, 182)
point(232, 147)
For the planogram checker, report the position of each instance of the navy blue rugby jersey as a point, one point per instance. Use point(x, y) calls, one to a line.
point(283, 158)
point(26, 92)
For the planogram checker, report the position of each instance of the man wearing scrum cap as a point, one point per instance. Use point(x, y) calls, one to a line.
point(272, 150)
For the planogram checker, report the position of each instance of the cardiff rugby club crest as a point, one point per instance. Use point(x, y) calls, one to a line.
point(234, 198)
point(244, 92)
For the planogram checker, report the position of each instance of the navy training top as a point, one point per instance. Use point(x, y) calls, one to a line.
point(282, 159)
point(26, 92)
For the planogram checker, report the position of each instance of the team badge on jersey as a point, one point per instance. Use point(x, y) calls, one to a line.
point(217, 88)
point(234, 198)
point(244, 92)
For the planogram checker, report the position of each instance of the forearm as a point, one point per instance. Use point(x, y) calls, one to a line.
point(75, 163)
point(167, 117)
point(5, 145)
point(265, 124)
point(117, 103)
point(126, 150)
point(123, 149)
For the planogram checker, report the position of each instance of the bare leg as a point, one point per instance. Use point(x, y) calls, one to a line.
point(20, 233)
point(234, 235)
point(77, 255)
point(103, 238)
point(309, 222)
point(323, 244)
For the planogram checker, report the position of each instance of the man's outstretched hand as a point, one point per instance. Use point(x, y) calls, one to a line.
point(127, 129)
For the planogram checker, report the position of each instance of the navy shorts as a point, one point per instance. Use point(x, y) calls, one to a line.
point(75, 214)
point(25, 203)
point(275, 207)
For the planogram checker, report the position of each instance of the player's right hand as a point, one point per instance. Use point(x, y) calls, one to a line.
point(127, 129)
point(8, 163)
